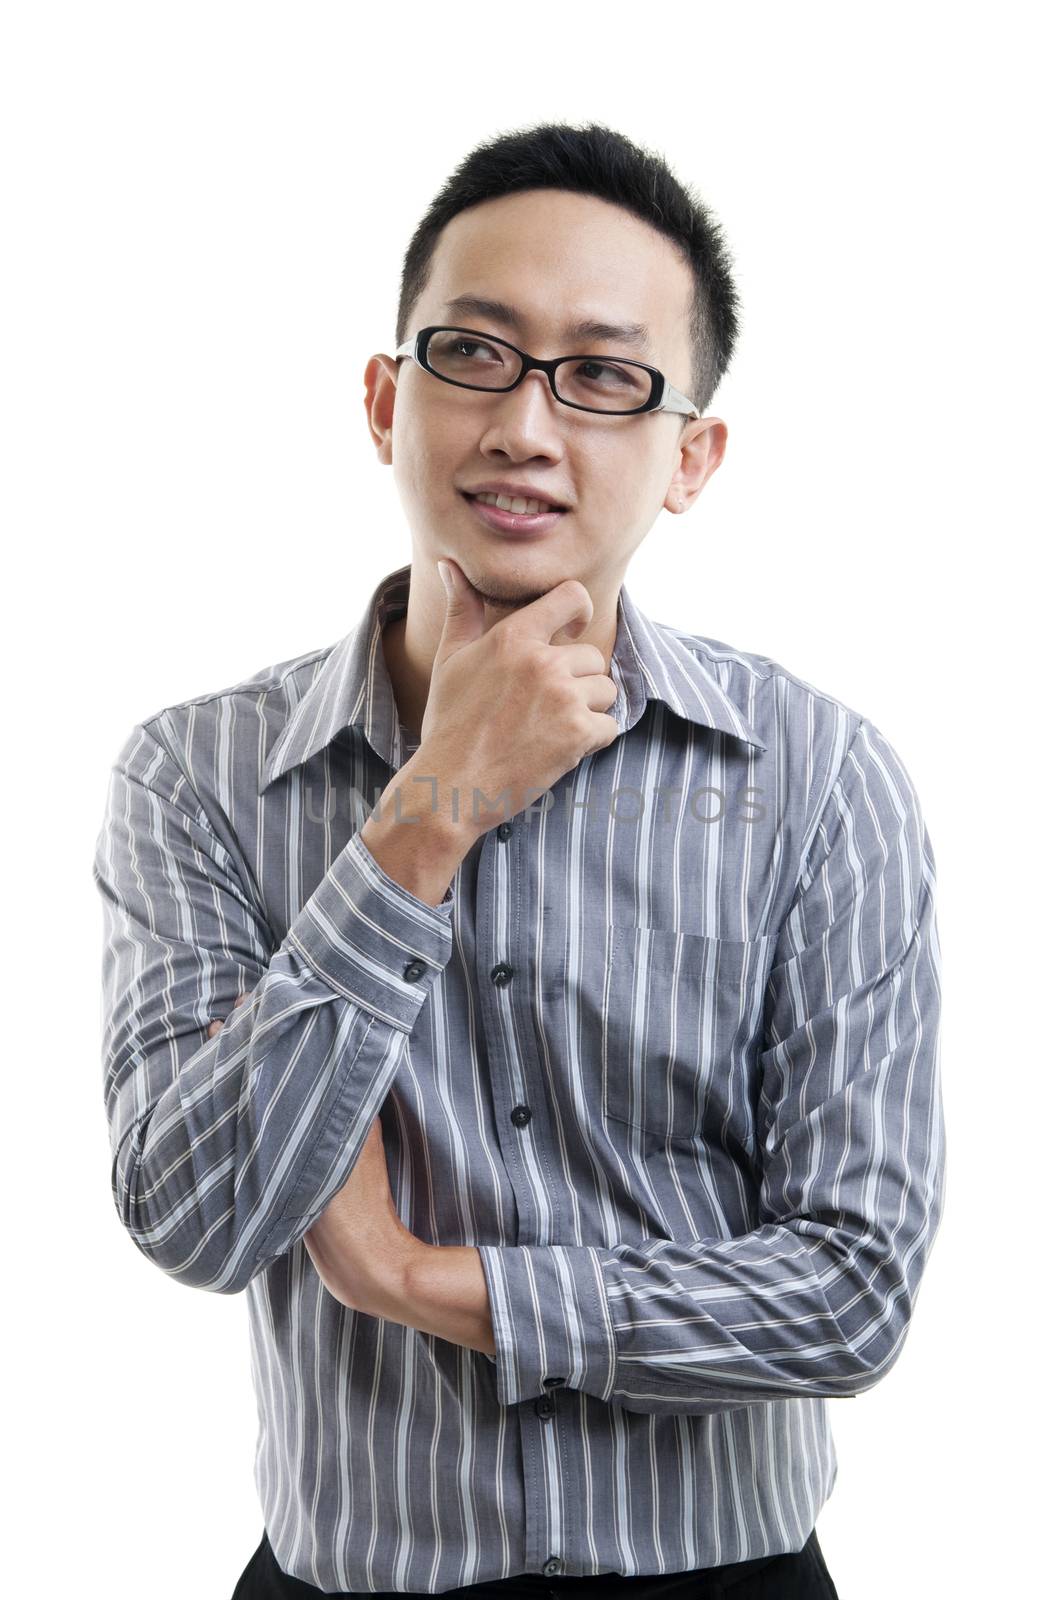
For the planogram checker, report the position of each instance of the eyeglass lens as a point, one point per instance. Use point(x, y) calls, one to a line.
point(602, 383)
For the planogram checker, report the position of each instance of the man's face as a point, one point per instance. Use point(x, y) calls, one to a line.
point(555, 257)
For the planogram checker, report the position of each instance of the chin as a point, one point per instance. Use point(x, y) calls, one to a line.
point(513, 598)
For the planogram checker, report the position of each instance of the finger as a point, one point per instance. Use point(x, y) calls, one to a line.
point(219, 1022)
point(566, 609)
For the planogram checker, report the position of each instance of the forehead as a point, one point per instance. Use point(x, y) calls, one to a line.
point(563, 260)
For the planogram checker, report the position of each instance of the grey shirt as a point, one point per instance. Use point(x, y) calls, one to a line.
point(666, 1055)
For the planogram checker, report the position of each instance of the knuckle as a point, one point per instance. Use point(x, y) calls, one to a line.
point(576, 723)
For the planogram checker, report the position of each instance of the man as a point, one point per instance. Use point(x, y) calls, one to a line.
point(577, 1134)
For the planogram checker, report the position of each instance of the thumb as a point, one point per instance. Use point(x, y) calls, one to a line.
point(464, 621)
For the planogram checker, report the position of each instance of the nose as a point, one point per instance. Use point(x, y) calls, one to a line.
point(526, 421)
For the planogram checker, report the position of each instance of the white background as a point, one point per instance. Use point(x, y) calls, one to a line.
point(206, 209)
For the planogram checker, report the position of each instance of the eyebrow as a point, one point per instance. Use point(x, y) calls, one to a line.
point(635, 334)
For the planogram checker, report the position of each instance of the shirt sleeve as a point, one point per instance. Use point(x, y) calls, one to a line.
point(817, 1299)
point(226, 1150)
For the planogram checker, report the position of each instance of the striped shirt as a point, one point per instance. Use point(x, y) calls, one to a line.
point(666, 1055)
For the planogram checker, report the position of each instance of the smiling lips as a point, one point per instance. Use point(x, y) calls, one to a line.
point(514, 514)
point(521, 504)
point(524, 499)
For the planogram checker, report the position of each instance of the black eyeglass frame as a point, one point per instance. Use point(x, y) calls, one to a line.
point(662, 397)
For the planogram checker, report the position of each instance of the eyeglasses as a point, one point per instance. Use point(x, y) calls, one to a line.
point(475, 360)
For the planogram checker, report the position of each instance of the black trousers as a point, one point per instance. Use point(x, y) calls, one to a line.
point(798, 1575)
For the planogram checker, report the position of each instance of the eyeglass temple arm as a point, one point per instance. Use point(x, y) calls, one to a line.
point(672, 400)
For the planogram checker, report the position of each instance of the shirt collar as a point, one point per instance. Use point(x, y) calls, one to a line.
point(352, 688)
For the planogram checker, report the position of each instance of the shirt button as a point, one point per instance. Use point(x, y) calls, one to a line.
point(415, 970)
point(501, 973)
point(504, 830)
point(520, 1116)
point(544, 1406)
point(552, 1567)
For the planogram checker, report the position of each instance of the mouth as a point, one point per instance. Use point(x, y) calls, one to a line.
point(502, 519)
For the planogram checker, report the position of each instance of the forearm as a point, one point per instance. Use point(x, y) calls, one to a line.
point(444, 1291)
point(696, 1326)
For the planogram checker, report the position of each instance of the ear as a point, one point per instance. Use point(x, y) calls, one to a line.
point(380, 378)
point(701, 449)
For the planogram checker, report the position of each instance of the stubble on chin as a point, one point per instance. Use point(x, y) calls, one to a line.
point(506, 604)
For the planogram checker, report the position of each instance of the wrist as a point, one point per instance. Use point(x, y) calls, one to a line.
point(441, 796)
point(412, 835)
point(446, 1294)
point(465, 810)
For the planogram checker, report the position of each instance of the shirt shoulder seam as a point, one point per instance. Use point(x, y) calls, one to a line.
point(245, 687)
point(771, 669)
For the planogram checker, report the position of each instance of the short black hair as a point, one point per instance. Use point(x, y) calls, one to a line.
point(596, 160)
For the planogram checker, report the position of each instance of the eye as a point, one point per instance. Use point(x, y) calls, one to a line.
point(603, 375)
point(458, 348)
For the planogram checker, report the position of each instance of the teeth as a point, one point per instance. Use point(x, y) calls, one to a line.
point(507, 502)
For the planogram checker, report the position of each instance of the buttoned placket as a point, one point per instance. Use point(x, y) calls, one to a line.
point(511, 1042)
point(503, 977)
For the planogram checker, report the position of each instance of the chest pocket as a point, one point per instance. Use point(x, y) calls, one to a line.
point(682, 1024)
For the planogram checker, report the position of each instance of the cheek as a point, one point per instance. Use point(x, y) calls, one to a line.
point(426, 458)
point(625, 482)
